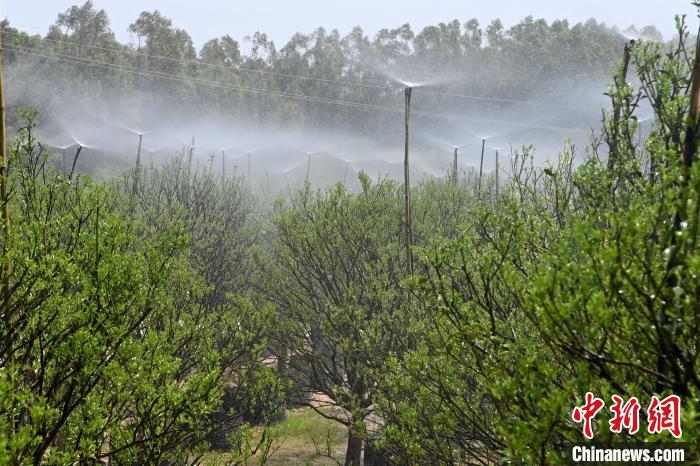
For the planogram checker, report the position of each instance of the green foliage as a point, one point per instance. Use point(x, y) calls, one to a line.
point(579, 279)
point(337, 267)
point(156, 313)
point(117, 341)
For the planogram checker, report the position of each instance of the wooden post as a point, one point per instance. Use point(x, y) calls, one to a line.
point(4, 181)
point(481, 165)
point(689, 153)
point(626, 55)
point(407, 184)
point(691, 143)
point(614, 140)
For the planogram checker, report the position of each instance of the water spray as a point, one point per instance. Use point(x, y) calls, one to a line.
point(407, 183)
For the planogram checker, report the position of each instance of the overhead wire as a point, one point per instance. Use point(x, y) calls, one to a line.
point(192, 80)
point(263, 91)
point(329, 81)
point(205, 64)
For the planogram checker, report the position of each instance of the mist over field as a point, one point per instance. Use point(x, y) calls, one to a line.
point(460, 243)
point(535, 83)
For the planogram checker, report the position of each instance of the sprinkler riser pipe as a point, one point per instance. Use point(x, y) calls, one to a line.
point(481, 164)
point(308, 168)
point(407, 183)
point(135, 188)
point(223, 169)
point(497, 177)
point(454, 168)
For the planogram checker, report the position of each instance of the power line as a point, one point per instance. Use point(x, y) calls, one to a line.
point(508, 101)
point(217, 84)
point(316, 79)
point(201, 63)
point(253, 90)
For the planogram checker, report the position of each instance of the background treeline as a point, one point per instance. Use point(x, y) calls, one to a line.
point(162, 70)
point(168, 311)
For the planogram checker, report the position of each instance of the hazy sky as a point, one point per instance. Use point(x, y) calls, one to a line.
point(280, 19)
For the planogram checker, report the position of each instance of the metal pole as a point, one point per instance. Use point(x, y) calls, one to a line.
point(407, 185)
point(223, 169)
point(308, 168)
point(135, 188)
point(345, 173)
point(249, 169)
point(639, 136)
point(454, 168)
point(188, 186)
point(4, 181)
point(75, 162)
point(190, 154)
point(497, 170)
point(481, 164)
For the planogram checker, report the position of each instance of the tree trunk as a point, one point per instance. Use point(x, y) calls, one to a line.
point(373, 456)
point(353, 453)
point(282, 373)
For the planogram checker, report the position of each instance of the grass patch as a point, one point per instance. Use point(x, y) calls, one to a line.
point(304, 438)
